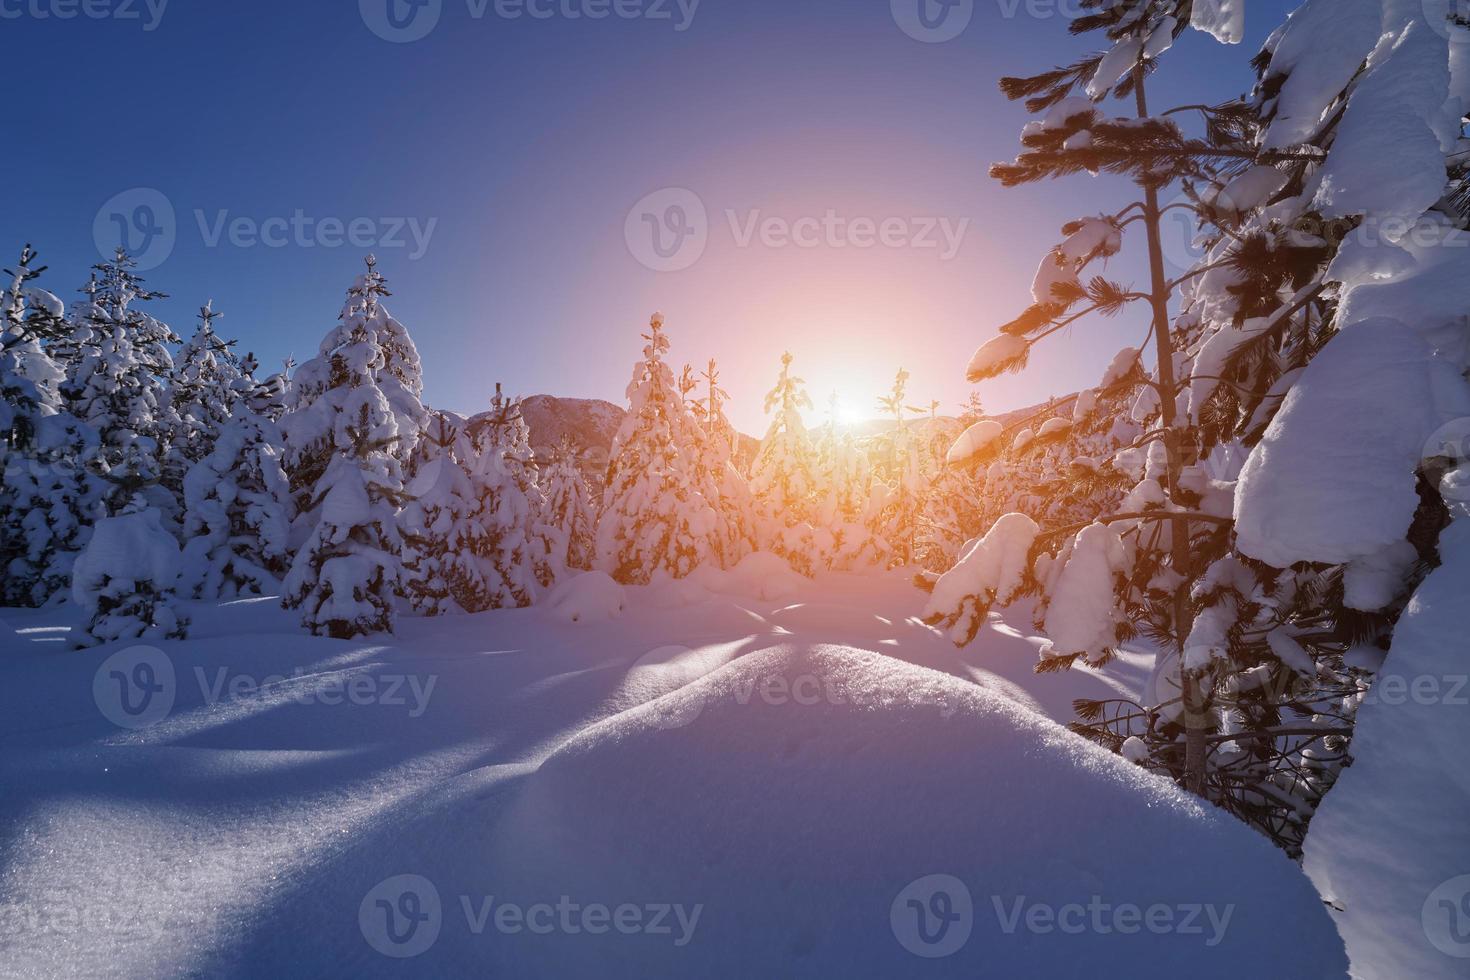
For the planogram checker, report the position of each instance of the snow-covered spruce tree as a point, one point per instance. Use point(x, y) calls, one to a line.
point(118, 365)
point(207, 382)
point(124, 581)
point(655, 519)
point(1293, 629)
point(571, 512)
point(1134, 569)
point(48, 499)
point(901, 466)
point(843, 516)
point(783, 476)
point(715, 473)
point(506, 532)
point(237, 512)
point(356, 417)
point(1356, 486)
point(435, 520)
point(951, 512)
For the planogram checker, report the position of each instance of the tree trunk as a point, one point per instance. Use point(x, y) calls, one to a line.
point(1196, 726)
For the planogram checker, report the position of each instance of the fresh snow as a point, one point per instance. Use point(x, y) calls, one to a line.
point(1388, 846)
point(517, 755)
point(1358, 420)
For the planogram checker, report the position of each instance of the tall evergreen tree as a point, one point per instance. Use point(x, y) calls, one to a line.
point(571, 513)
point(356, 417)
point(783, 476)
point(436, 521)
point(507, 532)
point(48, 497)
point(655, 519)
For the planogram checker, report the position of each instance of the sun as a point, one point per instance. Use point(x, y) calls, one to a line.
point(849, 413)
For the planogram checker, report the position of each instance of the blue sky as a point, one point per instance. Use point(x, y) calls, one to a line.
point(492, 165)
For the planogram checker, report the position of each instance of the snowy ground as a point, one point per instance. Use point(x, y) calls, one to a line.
point(512, 793)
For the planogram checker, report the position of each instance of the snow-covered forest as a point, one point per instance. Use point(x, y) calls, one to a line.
point(1193, 636)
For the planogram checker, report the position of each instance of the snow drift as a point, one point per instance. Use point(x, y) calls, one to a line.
point(813, 801)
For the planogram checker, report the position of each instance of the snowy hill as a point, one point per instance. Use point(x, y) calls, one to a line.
point(728, 767)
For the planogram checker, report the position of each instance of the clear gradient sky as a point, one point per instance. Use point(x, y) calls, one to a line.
point(524, 143)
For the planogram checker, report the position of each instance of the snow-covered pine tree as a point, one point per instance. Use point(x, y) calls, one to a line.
point(655, 519)
point(207, 382)
point(118, 365)
point(783, 476)
point(952, 509)
point(901, 466)
point(124, 581)
point(843, 517)
point(1132, 570)
point(506, 531)
point(715, 472)
point(1351, 397)
point(238, 509)
point(571, 512)
point(48, 499)
point(435, 520)
point(356, 417)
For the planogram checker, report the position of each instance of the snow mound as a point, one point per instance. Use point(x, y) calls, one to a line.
point(760, 575)
point(821, 811)
point(592, 597)
point(131, 548)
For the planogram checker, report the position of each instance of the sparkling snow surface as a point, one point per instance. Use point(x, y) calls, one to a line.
point(770, 773)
